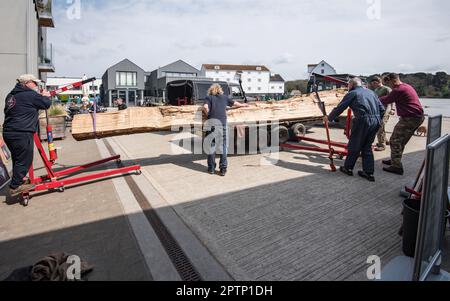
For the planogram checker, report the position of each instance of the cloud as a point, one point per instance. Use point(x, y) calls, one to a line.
point(217, 42)
point(285, 58)
point(153, 33)
point(81, 38)
point(405, 67)
point(443, 39)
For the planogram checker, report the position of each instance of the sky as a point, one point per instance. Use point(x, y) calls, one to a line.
point(360, 37)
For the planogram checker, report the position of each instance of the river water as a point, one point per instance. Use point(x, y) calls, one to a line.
point(436, 106)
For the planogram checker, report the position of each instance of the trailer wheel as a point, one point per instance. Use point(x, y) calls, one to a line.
point(299, 130)
point(283, 134)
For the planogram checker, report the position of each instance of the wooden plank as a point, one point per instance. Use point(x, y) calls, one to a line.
point(141, 120)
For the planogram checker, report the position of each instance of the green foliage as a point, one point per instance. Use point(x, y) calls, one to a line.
point(56, 110)
point(427, 85)
point(301, 85)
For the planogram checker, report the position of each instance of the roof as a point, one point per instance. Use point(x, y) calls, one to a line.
point(321, 62)
point(179, 65)
point(125, 61)
point(235, 67)
point(276, 78)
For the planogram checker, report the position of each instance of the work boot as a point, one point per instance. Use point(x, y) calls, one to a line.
point(387, 162)
point(21, 189)
point(394, 170)
point(367, 176)
point(211, 171)
point(223, 172)
point(379, 148)
point(346, 171)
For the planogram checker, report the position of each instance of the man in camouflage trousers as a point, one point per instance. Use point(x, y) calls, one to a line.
point(411, 114)
point(380, 90)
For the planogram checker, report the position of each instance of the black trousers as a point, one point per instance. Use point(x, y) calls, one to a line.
point(363, 135)
point(21, 146)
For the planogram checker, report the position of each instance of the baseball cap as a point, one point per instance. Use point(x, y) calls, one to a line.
point(25, 78)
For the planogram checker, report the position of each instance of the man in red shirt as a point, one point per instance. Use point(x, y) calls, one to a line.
point(411, 114)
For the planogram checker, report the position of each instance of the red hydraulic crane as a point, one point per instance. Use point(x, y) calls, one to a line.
point(58, 180)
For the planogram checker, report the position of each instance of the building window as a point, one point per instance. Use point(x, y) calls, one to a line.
point(228, 79)
point(217, 67)
point(259, 88)
point(249, 80)
point(228, 72)
point(323, 71)
point(323, 65)
point(273, 88)
point(249, 72)
point(281, 87)
point(217, 72)
point(259, 80)
point(128, 79)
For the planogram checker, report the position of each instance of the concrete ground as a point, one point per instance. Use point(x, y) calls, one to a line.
point(285, 218)
point(292, 220)
point(87, 220)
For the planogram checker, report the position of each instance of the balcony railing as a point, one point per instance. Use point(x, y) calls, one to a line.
point(46, 59)
point(44, 10)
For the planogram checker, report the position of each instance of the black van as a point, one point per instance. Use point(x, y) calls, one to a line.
point(191, 92)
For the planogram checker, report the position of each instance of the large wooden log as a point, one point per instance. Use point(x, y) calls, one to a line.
point(141, 120)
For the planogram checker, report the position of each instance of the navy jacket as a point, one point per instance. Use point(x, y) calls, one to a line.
point(364, 103)
point(217, 105)
point(22, 107)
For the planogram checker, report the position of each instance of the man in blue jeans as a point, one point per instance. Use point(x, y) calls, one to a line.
point(215, 108)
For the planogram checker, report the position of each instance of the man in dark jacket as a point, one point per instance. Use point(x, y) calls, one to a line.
point(22, 107)
point(369, 112)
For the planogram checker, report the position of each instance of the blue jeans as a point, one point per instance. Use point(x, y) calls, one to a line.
point(220, 135)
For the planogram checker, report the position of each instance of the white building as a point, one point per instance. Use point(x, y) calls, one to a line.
point(54, 83)
point(322, 68)
point(276, 85)
point(255, 79)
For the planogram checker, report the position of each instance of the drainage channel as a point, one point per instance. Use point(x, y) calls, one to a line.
point(179, 259)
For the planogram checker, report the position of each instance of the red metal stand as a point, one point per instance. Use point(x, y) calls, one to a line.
point(58, 180)
point(331, 144)
point(343, 152)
